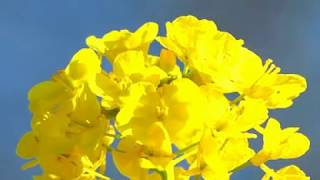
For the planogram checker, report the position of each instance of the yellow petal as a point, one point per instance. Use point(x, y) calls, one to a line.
point(251, 113)
point(96, 44)
point(183, 34)
point(127, 158)
point(108, 89)
point(49, 96)
point(118, 42)
point(286, 88)
point(87, 108)
point(281, 143)
point(28, 145)
point(129, 63)
point(144, 35)
point(292, 172)
point(295, 146)
point(84, 65)
point(30, 164)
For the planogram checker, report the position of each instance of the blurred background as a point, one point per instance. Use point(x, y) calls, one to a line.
point(38, 37)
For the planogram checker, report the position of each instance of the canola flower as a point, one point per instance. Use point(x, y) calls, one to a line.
point(151, 114)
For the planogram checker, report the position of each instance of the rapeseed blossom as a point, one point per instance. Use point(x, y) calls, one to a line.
point(151, 112)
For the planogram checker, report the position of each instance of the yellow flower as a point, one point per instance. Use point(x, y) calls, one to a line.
point(249, 114)
point(217, 105)
point(61, 92)
point(216, 57)
point(280, 143)
point(83, 67)
point(129, 67)
point(67, 124)
point(230, 120)
point(27, 146)
point(126, 158)
point(290, 172)
point(158, 151)
point(53, 142)
point(177, 105)
point(217, 156)
point(201, 47)
point(132, 64)
point(116, 42)
point(160, 112)
point(79, 168)
point(249, 77)
point(107, 87)
point(133, 157)
point(277, 90)
point(50, 96)
point(186, 34)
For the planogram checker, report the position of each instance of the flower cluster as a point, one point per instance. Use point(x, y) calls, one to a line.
point(197, 103)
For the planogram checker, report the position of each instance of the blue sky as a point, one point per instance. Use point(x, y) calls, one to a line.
point(38, 37)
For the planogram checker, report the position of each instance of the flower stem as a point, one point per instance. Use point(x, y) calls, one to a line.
point(237, 100)
point(197, 177)
point(164, 175)
point(183, 150)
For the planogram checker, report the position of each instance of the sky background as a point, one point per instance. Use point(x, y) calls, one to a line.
point(38, 37)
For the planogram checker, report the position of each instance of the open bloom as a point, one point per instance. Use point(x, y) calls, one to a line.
point(285, 173)
point(170, 116)
point(281, 143)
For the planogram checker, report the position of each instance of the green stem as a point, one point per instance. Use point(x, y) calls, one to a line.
point(111, 114)
point(238, 99)
point(197, 177)
point(183, 150)
point(170, 172)
point(116, 136)
point(109, 148)
point(164, 175)
point(224, 144)
point(186, 71)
